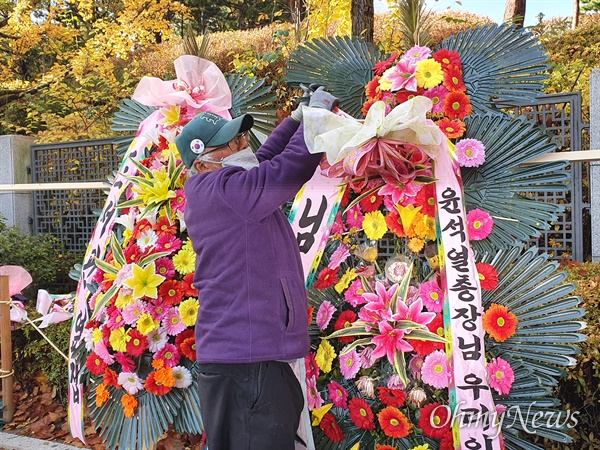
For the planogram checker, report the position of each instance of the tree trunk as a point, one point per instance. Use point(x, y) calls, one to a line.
point(575, 20)
point(363, 19)
point(515, 12)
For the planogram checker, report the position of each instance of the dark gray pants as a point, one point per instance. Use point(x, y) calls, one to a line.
point(253, 406)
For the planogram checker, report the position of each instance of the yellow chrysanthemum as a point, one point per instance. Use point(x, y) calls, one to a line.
point(171, 115)
point(185, 261)
point(144, 281)
point(416, 245)
point(157, 190)
point(319, 413)
point(325, 356)
point(429, 73)
point(374, 225)
point(96, 335)
point(188, 311)
point(147, 324)
point(118, 339)
point(344, 282)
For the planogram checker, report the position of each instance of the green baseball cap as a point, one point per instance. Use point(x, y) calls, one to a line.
point(209, 130)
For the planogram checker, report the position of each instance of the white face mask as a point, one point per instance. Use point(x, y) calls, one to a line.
point(245, 159)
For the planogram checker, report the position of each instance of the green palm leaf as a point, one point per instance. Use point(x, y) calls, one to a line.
point(342, 64)
point(500, 62)
point(498, 186)
point(128, 117)
point(248, 93)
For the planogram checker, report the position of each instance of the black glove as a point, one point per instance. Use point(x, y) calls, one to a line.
point(320, 98)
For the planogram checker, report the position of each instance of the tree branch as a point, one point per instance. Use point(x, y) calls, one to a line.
point(10, 95)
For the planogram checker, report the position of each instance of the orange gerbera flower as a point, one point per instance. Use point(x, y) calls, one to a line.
point(102, 395)
point(372, 89)
point(111, 378)
point(453, 80)
point(499, 322)
point(451, 128)
point(129, 403)
point(394, 423)
point(311, 311)
point(394, 224)
point(457, 105)
point(367, 105)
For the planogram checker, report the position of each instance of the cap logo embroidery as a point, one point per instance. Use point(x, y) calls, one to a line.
point(211, 118)
point(197, 146)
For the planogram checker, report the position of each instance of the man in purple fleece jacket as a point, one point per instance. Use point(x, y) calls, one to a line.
point(253, 310)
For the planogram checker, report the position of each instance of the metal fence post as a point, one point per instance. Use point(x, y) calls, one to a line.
point(595, 166)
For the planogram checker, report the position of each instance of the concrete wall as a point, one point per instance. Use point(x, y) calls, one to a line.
point(15, 156)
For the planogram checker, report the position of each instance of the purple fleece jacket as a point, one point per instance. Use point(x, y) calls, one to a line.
point(249, 277)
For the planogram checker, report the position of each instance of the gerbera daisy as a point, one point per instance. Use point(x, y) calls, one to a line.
point(437, 95)
point(164, 227)
point(372, 90)
point(160, 382)
point(447, 442)
point(188, 311)
point(393, 423)
point(382, 66)
point(132, 312)
point(447, 58)
point(185, 261)
point(501, 375)
point(127, 364)
point(324, 314)
point(374, 225)
point(118, 339)
point(178, 202)
point(188, 286)
point(171, 292)
point(457, 105)
point(172, 322)
point(354, 293)
point(331, 428)
point(429, 73)
point(110, 378)
point(404, 95)
point(391, 397)
point(147, 239)
point(470, 153)
point(157, 311)
point(499, 322)
point(325, 356)
point(340, 255)
point(344, 320)
point(338, 394)
point(140, 227)
point(137, 344)
point(312, 368)
point(157, 339)
point(350, 364)
point(345, 281)
point(424, 348)
point(416, 244)
point(370, 203)
point(432, 296)
point(146, 323)
point(130, 382)
point(165, 267)
point(488, 276)
point(183, 377)
point(361, 414)
point(95, 364)
point(168, 243)
point(417, 53)
point(453, 79)
point(451, 128)
point(479, 223)
point(326, 278)
point(435, 370)
point(313, 396)
point(394, 223)
point(435, 420)
point(188, 348)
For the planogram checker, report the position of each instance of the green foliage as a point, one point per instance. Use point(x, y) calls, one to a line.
point(43, 256)
point(35, 358)
point(590, 5)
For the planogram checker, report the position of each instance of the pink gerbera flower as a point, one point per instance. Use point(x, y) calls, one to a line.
point(501, 375)
point(157, 339)
point(165, 267)
point(432, 296)
point(402, 75)
point(338, 257)
point(312, 368)
point(355, 217)
point(168, 243)
point(388, 341)
point(417, 53)
point(132, 313)
point(325, 314)
point(435, 370)
point(470, 152)
point(169, 354)
point(480, 224)
point(178, 203)
point(338, 394)
point(349, 364)
point(313, 396)
point(437, 95)
point(172, 322)
point(354, 293)
point(158, 312)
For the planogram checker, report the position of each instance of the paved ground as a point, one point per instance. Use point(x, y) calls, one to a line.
point(14, 442)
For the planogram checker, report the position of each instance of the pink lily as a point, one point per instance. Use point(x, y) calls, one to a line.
point(390, 340)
